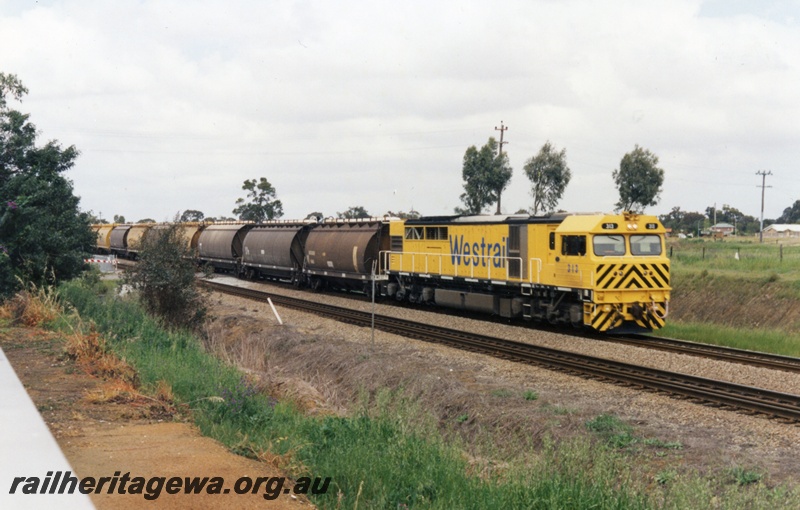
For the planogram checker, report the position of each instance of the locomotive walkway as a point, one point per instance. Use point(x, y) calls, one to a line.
point(708, 391)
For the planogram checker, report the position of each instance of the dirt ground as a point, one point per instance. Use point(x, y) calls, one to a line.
point(327, 367)
point(139, 436)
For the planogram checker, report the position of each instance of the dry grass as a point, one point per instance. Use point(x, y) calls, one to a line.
point(113, 391)
point(332, 375)
point(35, 306)
point(90, 353)
point(160, 406)
point(287, 462)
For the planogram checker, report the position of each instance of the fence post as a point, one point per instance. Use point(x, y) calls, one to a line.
point(781, 253)
point(670, 251)
point(704, 252)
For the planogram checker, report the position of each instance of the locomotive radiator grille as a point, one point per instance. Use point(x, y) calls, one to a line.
point(632, 276)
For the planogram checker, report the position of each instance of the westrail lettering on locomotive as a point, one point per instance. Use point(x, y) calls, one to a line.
point(477, 254)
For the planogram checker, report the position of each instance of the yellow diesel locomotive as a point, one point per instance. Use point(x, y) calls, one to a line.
point(604, 272)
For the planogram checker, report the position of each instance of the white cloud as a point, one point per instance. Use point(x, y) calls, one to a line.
point(174, 104)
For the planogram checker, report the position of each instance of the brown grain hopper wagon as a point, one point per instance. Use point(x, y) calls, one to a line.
point(221, 245)
point(341, 254)
point(275, 251)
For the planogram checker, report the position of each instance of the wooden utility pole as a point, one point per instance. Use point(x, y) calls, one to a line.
point(763, 175)
point(502, 129)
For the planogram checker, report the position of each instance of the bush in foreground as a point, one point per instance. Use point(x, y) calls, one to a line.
point(165, 278)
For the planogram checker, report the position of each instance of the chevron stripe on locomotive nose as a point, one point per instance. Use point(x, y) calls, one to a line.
point(653, 318)
point(632, 276)
point(603, 320)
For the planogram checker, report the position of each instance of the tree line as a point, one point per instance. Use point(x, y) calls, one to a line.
point(44, 235)
point(695, 222)
point(486, 174)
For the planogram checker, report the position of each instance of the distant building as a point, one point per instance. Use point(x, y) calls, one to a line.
point(725, 229)
point(782, 230)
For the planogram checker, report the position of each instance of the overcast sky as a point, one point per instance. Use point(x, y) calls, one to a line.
point(173, 104)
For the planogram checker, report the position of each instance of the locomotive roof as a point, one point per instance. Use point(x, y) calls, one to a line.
point(488, 218)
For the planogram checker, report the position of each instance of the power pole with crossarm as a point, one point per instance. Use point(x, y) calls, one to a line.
point(502, 129)
point(763, 175)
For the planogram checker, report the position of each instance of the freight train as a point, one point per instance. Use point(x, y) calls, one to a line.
point(605, 272)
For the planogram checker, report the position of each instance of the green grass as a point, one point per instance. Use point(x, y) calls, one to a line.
point(721, 257)
point(377, 458)
point(614, 431)
point(530, 395)
point(763, 340)
point(742, 476)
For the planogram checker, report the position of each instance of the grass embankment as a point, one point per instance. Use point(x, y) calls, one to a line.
point(383, 455)
point(750, 302)
point(374, 457)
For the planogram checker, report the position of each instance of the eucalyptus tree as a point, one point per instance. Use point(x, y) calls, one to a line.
point(261, 204)
point(549, 176)
point(639, 180)
point(486, 174)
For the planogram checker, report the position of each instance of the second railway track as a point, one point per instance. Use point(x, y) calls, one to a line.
point(719, 393)
point(729, 354)
point(716, 352)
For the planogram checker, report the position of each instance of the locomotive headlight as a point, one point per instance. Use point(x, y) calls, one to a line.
point(606, 308)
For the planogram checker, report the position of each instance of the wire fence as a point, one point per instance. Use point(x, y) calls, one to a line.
point(770, 256)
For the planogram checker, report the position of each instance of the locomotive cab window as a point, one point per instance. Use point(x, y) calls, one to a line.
point(648, 244)
point(573, 245)
point(414, 233)
point(436, 233)
point(608, 245)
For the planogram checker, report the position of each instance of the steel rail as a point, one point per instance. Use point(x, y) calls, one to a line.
point(689, 348)
point(729, 354)
point(719, 393)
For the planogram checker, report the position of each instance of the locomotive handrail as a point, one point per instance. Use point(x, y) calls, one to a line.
point(538, 270)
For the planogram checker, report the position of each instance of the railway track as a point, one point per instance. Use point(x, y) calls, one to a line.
point(727, 354)
point(708, 391)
